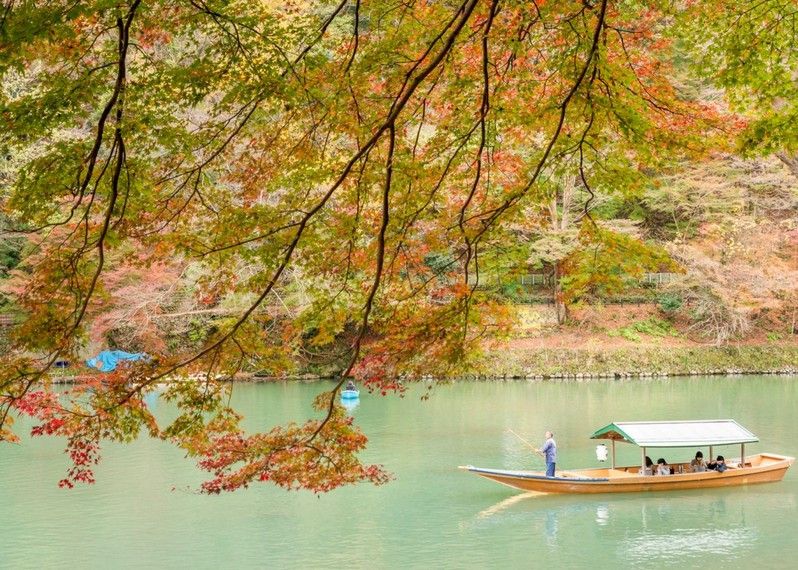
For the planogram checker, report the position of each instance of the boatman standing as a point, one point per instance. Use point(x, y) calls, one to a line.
point(549, 452)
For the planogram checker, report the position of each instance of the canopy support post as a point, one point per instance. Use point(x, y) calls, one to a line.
point(613, 453)
point(742, 455)
point(643, 460)
point(711, 455)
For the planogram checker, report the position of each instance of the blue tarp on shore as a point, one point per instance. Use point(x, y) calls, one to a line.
point(107, 360)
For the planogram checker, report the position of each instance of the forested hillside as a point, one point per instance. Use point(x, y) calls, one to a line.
point(729, 227)
point(723, 231)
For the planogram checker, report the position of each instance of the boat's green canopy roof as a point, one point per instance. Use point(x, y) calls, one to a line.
point(677, 434)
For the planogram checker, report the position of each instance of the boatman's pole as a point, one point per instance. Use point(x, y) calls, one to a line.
point(529, 445)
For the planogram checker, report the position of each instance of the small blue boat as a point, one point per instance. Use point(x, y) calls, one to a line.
point(350, 394)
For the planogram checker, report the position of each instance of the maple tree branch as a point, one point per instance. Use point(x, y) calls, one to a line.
point(375, 285)
point(464, 12)
point(119, 91)
point(483, 113)
point(400, 102)
point(83, 298)
point(491, 216)
point(356, 37)
point(8, 5)
point(322, 31)
point(583, 178)
point(471, 252)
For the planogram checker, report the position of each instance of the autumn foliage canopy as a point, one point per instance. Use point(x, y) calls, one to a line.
point(308, 160)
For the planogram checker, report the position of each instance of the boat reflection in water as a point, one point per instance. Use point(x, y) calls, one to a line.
point(602, 515)
point(668, 528)
point(670, 531)
point(350, 403)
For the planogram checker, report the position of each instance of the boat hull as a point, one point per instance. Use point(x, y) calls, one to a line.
point(764, 468)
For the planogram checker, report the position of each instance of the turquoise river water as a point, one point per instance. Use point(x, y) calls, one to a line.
point(143, 511)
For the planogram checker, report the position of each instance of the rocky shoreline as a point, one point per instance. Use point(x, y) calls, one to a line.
point(583, 364)
point(636, 374)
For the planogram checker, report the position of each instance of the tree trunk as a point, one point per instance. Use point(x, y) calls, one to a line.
point(559, 211)
point(791, 160)
point(559, 304)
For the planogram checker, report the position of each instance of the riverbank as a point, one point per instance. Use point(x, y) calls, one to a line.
point(515, 361)
point(598, 342)
point(508, 362)
point(610, 342)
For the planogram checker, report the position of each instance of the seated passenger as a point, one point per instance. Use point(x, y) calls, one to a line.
point(350, 385)
point(662, 467)
point(649, 470)
point(697, 465)
point(718, 465)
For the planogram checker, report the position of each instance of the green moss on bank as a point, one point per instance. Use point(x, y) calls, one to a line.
point(515, 363)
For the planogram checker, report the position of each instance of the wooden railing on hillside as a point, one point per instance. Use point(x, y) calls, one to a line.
point(545, 279)
point(530, 281)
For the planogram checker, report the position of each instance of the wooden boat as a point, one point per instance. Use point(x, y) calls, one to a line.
point(743, 470)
